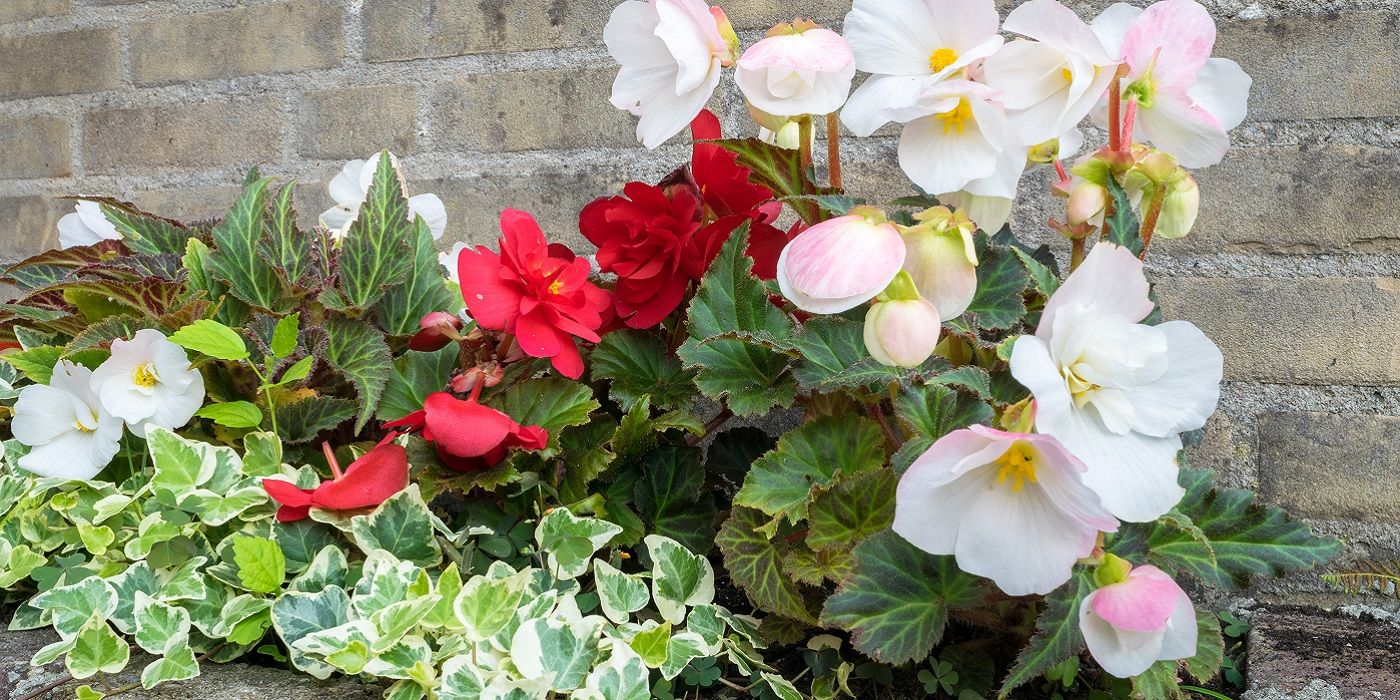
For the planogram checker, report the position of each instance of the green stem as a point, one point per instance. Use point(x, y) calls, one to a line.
point(266, 389)
point(1207, 693)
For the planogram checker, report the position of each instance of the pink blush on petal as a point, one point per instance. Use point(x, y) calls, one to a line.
point(1141, 603)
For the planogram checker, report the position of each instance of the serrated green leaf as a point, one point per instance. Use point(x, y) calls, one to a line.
point(931, 412)
point(780, 170)
point(755, 563)
point(833, 356)
point(423, 291)
point(1046, 281)
point(144, 233)
point(415, 376)
point(234, 414)
point(35, 363)
point(300, 370)
point(295, 253)
point(638, 363)
point(783, 481)
point(1057, 636)
point(620, 594)
point(1122, 225)
point(302, 421)
point(1158, 682)
point(1001, 284)
point(553, 403)
point(213, 339)
point(671, 497)
point(376, 252)
point(284, 335)
point(261, 565)
point(679, 578)
point(569, 542)
point(235, 259)
point(853, 510)
point(357, 350)
point(97, 649)
point(402, 526)
point(896, 601)
point(1210, 648)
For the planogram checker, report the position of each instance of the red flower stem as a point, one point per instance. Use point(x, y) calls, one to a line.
point(1129, 118)
point(330, 459)
point(1060, 170)
point(804, 146)
point(1076, 253)
point(476, 390)
point(1115, 98)
point(1149, 219)
point(833, 149)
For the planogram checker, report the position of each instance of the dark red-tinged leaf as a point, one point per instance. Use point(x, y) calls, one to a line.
point(56, 265)
point(150, 296)
point(143, 232)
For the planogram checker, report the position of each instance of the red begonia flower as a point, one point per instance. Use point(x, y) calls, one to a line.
point(367, 482)
point(535, 291)
point(729, 194)
point(469, 436)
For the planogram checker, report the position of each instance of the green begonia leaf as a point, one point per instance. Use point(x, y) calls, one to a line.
point(782, 482)
point(358, 352)
point(416, 375)
point(930, 412)
point(235, 258)
point(638, 363)
point(671, 496)
point(376, 252)
point(756, 565)
point(422, 292)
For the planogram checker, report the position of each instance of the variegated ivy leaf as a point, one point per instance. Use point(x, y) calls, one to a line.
point(447, 588)
point(681, 649)
point(205, 610)
point(97, 648)
point(18, 563)
point(461, 680)
point(394, 621)
point(408, 659)
point(241, 610)
point(153, 530)
point(782, 688)
point(405, 690)
point(569, 542)
point(335, 644)
point(218, 509)
point(706, 621)
point(650, 644)
point(623, 677)
point(262, 454)
point(533, 606)
point(402, 526)
point(486, 605)
point(620, 594)
point(386, 581)
point(72, 606)
point(297, 615)
point(160, 627)
point(182, 466)
point(178, 665)
point(679, 578)
point(562, 651)
point(328, 568)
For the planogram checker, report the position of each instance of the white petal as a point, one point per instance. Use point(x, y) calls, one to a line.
point(43, 414)
point(666, 114)
point(1021, 541)
point(1027, 73)
point(73, 455)
point(893, 37)
point(631, 35)
point(1185, 130)
point(928, 516)
point(945, 162)
point(1222, 88)
point(1112, 26)
point(1110, 282)
point(965, 23)
point(1186, 395)
point(1135, 475)
point(345, 186)
point(864, 111)
point(1121, 654)
point(174, 410)
point(1179, 641)
point(1033, 367)
point(433, 211)
point(682, 26)
point(990, 213)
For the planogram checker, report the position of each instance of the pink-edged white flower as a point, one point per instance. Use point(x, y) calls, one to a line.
point(87, 225)
point(672, 53)
point(1142, 619)
point(148, 381)
point(902, 328)
point(1114, 391)
point(841, 263)
point(1009, 506)
point(955, 134)
point(350, 188)
point(69, 433)
point(909, 45)
point(1049, 85)
point(941, 259)
point(797, 69)
point(1187, 102)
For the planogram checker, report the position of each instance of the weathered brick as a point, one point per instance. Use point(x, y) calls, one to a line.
point(34, 147)
point(29, 225)
point(1331, 467)
point(1316, 67)
point(279, 38)
point(757, 14)
point(24, 10)
point(408, 29)
point(59, 63)
point(531, 110)
point(186, 203)
point(354, 122)
point(474, 204)
point(208, 134)
point(1295, 331)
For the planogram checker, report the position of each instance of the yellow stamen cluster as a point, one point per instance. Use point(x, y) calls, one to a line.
point(1067, 75)
point(145, 376)
point(957, 117)
point(1080, 389)
point(1017, 466)
point(942, 58)
point(556, 287)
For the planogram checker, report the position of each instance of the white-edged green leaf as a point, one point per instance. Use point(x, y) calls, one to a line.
point(72, 606)
point(622, 677)
point(569, 542)
point(486, 605)
point(620, 594)
point(160, 627)
point(679, 578)
point(561, 651)
point(401, 525)
point(97, 648)
point(178, 665)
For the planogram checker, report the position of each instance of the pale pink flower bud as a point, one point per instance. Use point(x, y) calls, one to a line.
point(942, 259)
point(798, 69)
point(1141, 618)
point(841, 263)
point(1087, 204)
point(1180, 208)
point(902, 333)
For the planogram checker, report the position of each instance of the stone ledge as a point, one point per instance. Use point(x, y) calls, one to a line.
point(1310, 654)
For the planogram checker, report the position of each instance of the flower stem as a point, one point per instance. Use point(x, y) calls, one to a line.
point(1129, 124)
point(1076, 253)
point(331, 460)
point(804, 138)
point(833, 149)
point(1150, 218)
point(1115, 99)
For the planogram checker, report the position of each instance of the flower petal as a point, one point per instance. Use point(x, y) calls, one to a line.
point(1021, 540)
point(1121, 654)
point(1222, 89)
point(1110, 282)
point(1186, 395)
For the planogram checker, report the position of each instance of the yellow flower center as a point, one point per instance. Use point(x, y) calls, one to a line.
point(1017, 466)
point(942, 58)
point(555, 287)
point(1080, 389)
point(957, 117)
point(1067, 75)
point(78, 425)
point(145, 376)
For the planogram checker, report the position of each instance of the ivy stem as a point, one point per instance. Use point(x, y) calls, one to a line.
point(42, 690)
point(833, 149)
point(1151, 216)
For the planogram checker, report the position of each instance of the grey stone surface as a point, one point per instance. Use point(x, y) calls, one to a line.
point(1299, 654)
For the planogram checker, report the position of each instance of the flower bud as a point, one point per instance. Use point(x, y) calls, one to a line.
point(941, 259)
point(437, 330)
point(727, 33)
point(797, 69)
point(1088, 203)
point(902, 332)
point(841, 263)
point(1180, 208)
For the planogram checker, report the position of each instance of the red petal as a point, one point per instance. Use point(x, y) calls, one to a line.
point(537, 335)
point(286, 493)
point(568, 360)
point(705, 126)
point(414, 421)
point(465, 428)
point(291, 514)
point(368, 481)
point(492, 300)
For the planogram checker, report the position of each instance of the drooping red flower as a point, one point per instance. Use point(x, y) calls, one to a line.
point(467, 435)
point(436, 330)
point(535, 291)
point(367, 482)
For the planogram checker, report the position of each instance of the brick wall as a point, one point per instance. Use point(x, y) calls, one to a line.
point(1294, 268)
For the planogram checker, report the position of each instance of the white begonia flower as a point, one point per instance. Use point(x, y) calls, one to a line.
point(350, 188)
point(449, 261)
point(69, 433)
point(909, 45)
point(1049, 85)
point(798, 69)
point(1133, 624)
point(148, 381)
point(1115, 392)
point(87, 225)
point(955, 134)
point(1009, 506)
point(672, 53)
